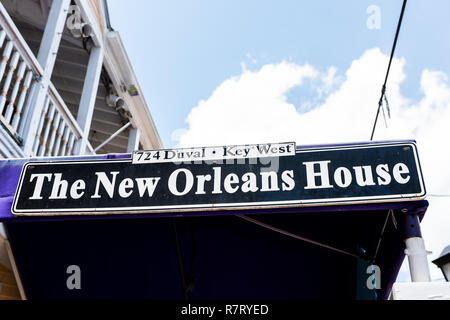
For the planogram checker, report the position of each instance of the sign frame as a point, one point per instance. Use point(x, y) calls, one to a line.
point(226, 206)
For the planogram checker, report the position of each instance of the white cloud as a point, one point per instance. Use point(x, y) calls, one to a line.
point(248, 108)
point(329, 81)
point(253, 108)
point(177, 134)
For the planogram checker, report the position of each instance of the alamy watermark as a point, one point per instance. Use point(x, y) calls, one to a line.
point(74, 279)
point(373, 22)
point(374, 280)
point(73, 18)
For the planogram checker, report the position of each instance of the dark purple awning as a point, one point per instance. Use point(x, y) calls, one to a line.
point(364, 219)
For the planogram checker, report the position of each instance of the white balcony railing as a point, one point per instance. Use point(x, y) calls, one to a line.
point(16, 76)
point(57, 130)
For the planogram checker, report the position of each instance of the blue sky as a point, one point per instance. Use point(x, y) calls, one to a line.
point(182, 50)
point(255, 71)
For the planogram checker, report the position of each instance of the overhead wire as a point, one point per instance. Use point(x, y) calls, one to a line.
point(383, 97)
point(383, 88)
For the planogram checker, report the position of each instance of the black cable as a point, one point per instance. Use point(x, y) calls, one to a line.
point(289, 234)
point(84, 41)
point(383, 88)
point(380, 239)
point(180, 260)
point(107, 16)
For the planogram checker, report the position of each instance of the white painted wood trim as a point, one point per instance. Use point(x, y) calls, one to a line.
point(4, 258)
point(88, 16)
point(133, 140)
point(8, 147)
point(15, 270)
point(46, 58)
point(52, 35)
point(103, 14)
point(64, 110)
point(120, 71)
point(19, 41)
point(88, 96)
point(33, 110)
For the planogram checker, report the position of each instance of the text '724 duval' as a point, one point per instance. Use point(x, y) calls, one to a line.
point(219, 178)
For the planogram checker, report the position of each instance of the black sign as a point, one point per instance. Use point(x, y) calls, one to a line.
point(311, 176)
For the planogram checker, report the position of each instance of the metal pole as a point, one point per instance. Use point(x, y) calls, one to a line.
point(415, 249)
point(112, 136)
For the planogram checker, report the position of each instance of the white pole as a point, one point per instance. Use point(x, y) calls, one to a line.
point(112, 136)
point(88, 96)
point(415, 248)
point(48, 50)
point(417, 259)
point(133, 140)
